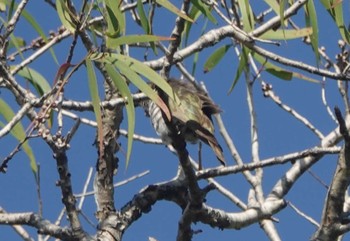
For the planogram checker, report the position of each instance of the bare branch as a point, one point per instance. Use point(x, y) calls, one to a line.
point(15, 18)
point(311, 220)
point(19, 229)
point(312, 152)
point(333, 216)
point(43, 226)
point(268, 92)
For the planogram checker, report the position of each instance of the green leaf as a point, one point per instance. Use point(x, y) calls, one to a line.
point(11, 8)
point(205, 10)
point(172, 8)
point(243, 65)
point(311, 20)
point(287, 34)
point(123, 88)
point(95, 98)
point(36, 79)
point(215, 58)
point(65, 15)
point(273, 69)
point(16, 41)
point(3, 5)
point(134, 78)
point(19, 133)
point(280, 72)
point(326, 4)
point(339, 19)
point(282, 7)
point(193, 14)
point(143, 19)
point(115, 23)
point(196, 55)
point(335, 9)
point(140, 68)
point(274, 5)
point(39, 30)
point(132, 39)
point(145, 23)
point(195, 61)
point(247, 15)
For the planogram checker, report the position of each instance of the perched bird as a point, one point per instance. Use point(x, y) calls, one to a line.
point(191, 116)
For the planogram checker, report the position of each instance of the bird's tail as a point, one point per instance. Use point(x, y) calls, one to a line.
point(209, 139)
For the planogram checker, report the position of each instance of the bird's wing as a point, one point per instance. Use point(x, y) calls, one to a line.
point(208, 138)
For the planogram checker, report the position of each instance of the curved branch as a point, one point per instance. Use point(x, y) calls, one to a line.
point(216, 35)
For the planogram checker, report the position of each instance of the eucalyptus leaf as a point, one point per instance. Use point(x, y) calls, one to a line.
point(215, 58)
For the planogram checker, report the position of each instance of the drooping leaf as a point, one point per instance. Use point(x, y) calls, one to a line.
point(140, 68)
point(247, 15)
point(287, 34)
point(194, 14)
point(65, 15)
point(339, 19)
point(36, 79)
point(205, 10)
point(311, 21)
point(19, 42)
point(143, 18)
point(274, 5)
point(282, 7)
point(304, 77)
point(19, 133)
point(123, 88)
point(39, 30)
point(273, 69)
point(280, 72)
point(132, 39)
point(16, 41)
point(10, 12)
point(195, 61)
point(40, 84)
point(196, 55)
point(145, 23)
point(95, 98)
point(215, 58)
point(134, 78)
point(172, 8)
point(243, 63)
point(115, 22)
point(335, 9)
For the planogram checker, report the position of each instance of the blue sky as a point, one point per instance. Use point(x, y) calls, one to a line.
point(279, 134)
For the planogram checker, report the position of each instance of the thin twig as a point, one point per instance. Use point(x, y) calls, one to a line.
point(324, 100)
point(268, 92)
point(123, 132)
point(302, 214)
point(88, 179)
point(118, 184)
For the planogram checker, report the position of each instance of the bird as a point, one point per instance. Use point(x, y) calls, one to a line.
point(190, 116)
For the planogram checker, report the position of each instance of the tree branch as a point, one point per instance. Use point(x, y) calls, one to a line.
point(43, 226)
point(333, 216)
